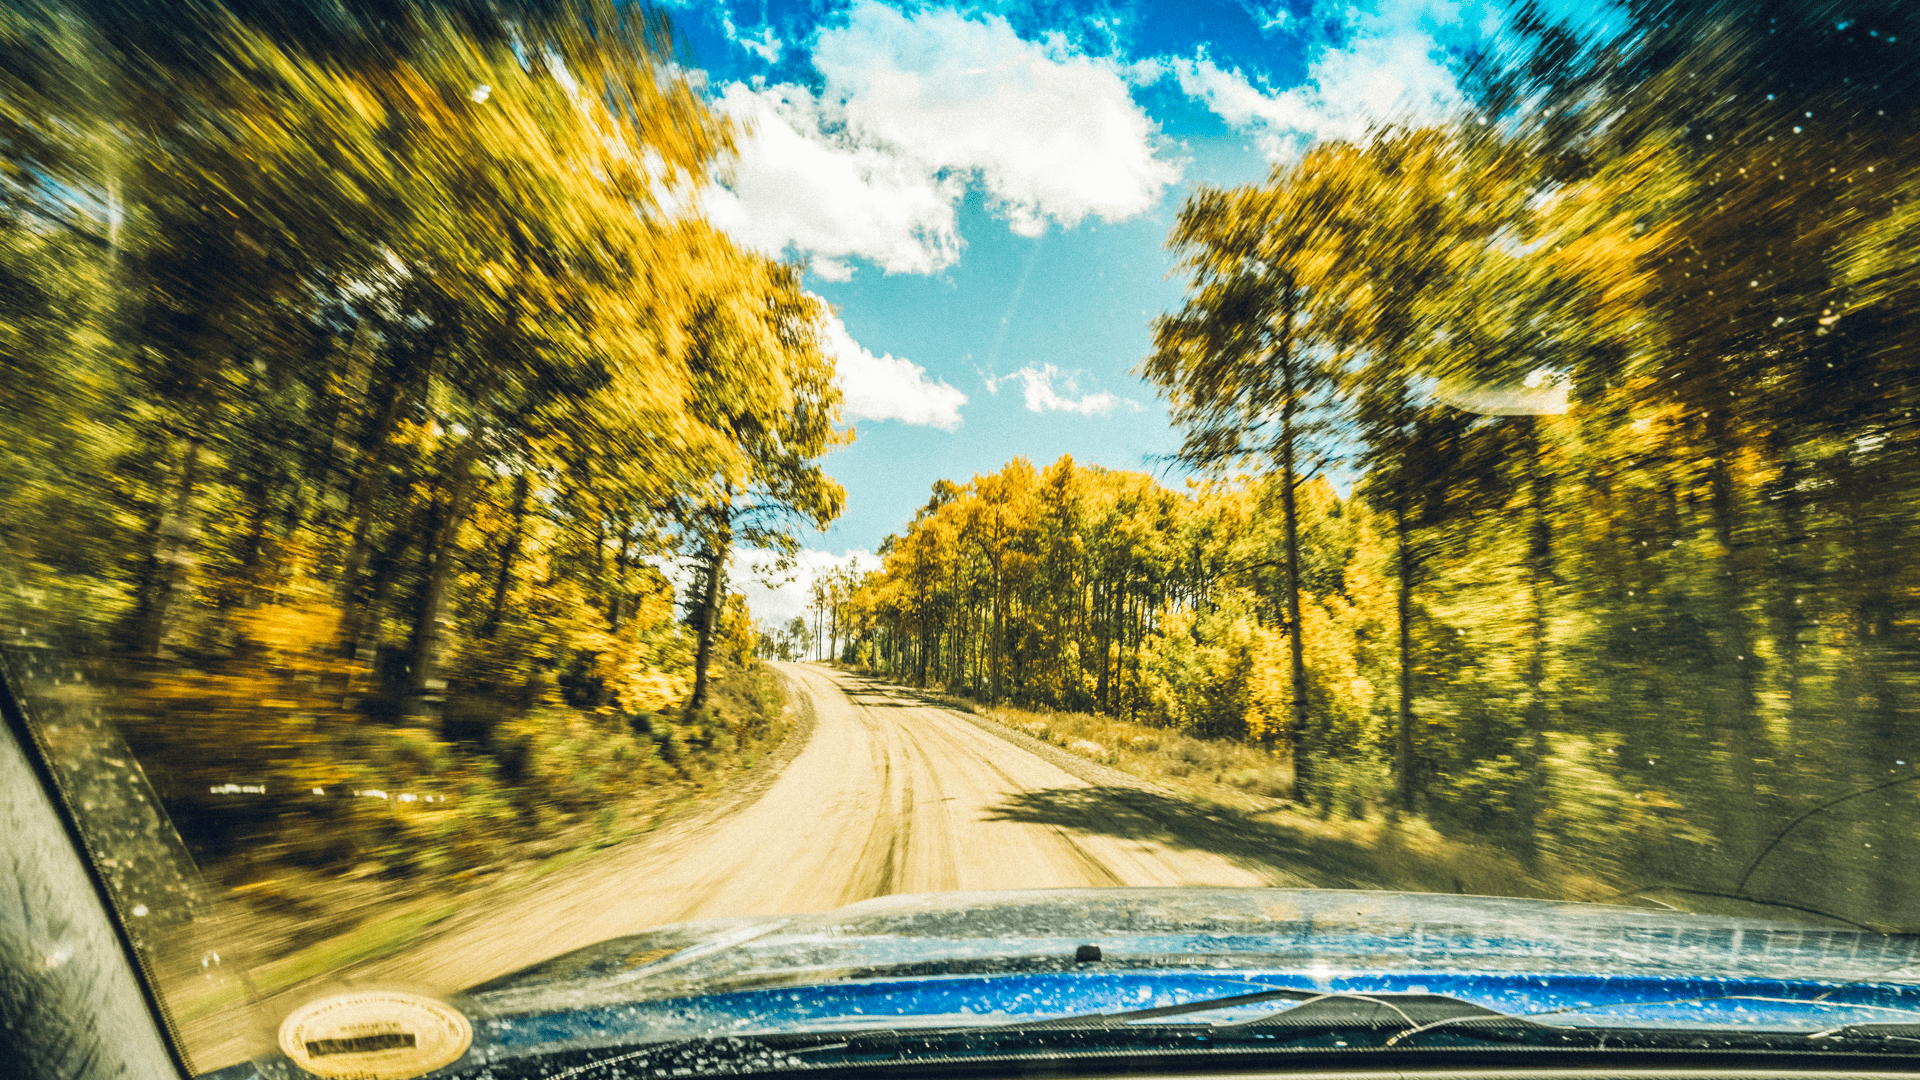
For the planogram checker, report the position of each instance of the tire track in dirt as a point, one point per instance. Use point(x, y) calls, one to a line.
point(888, 795)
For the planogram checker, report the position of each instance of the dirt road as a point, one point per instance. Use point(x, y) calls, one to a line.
point(890, 795)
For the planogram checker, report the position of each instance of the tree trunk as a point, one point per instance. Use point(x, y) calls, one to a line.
point(261, 493)
point(348, 396)
point(1789, 573)
point(365, 508)
point(710, 610)
point(998, 630)
point(382, 569)
point(1105, 638)
point(617, 605)
point(1296, 646)
point(1733, 646)
point(1297, 742)
point(929, 640)
point(172, 561)
point(1403, 608)
point(426, 689)
point(1534, 714)
point(508, 554)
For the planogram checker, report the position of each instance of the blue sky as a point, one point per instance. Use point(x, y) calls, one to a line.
point(982, 193)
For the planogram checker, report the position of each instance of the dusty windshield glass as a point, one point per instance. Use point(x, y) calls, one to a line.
point(506, 476)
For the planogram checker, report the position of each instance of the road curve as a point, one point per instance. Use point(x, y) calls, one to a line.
point(893, 796)
point(890, 795)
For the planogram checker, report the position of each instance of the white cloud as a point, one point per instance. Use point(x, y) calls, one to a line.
point(793, 187)
point(831, 269)
point(763, 45)
point(888, 387)
point(1388, 68)
point(1042, 396)
point(1048, 132)
point(913, 109)
point(786, 594)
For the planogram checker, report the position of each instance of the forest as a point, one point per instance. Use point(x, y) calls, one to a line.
point(379, 420)
point(365, 385)
point(1553, 477)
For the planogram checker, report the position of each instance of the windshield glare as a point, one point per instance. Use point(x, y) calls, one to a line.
point(533, 509)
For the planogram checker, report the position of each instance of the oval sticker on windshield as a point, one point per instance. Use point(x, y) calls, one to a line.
point(375, 1035)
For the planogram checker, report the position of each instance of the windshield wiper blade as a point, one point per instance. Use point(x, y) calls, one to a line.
point(1215, 1004)
point(1408, 1011)
point(1385, 1016)
point(1322, 1023)
point(1317, 1009)
point(1885, 1032)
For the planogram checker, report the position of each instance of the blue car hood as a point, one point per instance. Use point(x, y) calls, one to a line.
point(997, 958)
point(745, 995)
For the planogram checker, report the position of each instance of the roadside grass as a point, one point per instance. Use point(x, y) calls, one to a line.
point(369, 941)
point(274, 904)
point(1248, 785)
point(570, 857)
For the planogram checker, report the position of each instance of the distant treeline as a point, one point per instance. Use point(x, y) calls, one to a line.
point(1623, 367)
point(362, 369)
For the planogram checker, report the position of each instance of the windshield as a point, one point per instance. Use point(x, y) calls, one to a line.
point(483, 481)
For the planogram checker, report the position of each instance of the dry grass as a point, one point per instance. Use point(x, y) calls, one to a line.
point(1151, 752)
point(288, 923)
point(1248, 786)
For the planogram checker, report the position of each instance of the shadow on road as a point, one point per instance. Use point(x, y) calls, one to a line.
point(1133, 814)
point(877, 693)
point(1289, 854)
point(878, 701)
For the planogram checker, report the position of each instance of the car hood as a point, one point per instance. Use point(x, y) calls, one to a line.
point(722, 996)
point(1325, 938)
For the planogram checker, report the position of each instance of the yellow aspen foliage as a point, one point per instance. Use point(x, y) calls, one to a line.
point(1340, 698)
point(643, 664)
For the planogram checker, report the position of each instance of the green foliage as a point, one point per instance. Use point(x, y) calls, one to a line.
point(1078, 588)
point(353, 406)
point(1625, 578)
point(1197, 671)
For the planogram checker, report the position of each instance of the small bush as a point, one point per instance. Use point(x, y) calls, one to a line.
point(1191, 751)
point(1089, 748)
point(1153, 751)
point(1273, 782)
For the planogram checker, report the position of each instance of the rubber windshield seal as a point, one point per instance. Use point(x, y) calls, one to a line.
point(19, 718)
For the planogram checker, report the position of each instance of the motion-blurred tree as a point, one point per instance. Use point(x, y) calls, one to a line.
point(1251, 363)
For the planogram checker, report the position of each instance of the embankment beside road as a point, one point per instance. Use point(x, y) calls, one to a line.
point(1236, 790)
point(292, 928)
